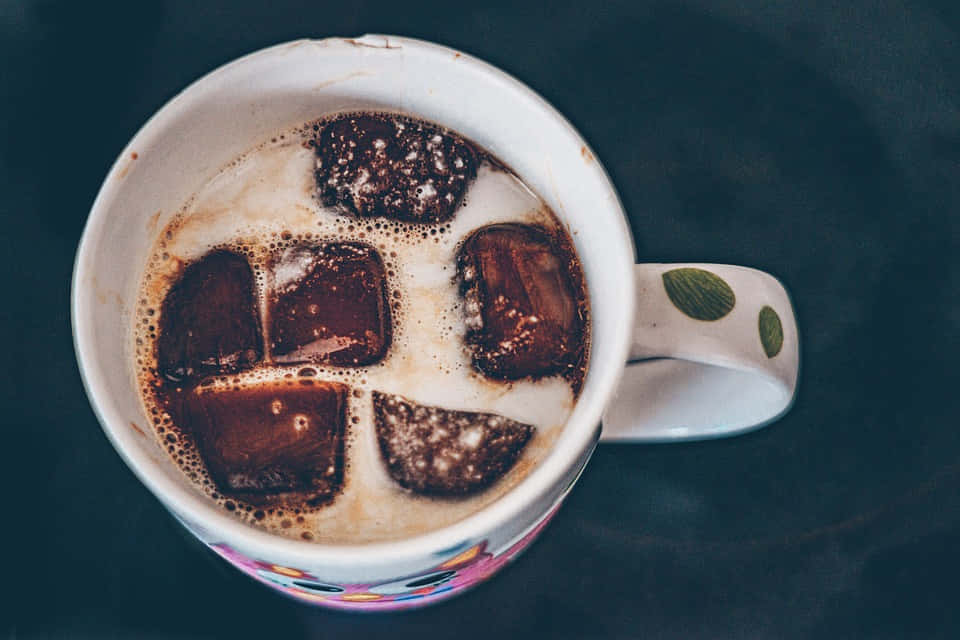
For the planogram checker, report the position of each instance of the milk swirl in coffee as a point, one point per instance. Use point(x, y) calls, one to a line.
point(363, 329)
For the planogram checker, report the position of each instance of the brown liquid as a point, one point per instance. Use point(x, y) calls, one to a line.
point(364, 304)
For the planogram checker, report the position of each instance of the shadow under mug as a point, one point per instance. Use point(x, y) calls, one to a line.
point(713, 349)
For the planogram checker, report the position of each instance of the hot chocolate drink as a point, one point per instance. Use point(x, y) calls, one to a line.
point(365, 328)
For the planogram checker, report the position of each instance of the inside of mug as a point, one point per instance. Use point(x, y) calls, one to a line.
point(237, 107)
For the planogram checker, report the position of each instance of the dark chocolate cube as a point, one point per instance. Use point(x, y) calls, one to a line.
point(209, 321)
point(523, 307)
point(394, 167)
point(329, 305)
point(435, 451)
point(262, 441)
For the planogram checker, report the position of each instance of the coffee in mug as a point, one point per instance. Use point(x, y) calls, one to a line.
point(365, 328)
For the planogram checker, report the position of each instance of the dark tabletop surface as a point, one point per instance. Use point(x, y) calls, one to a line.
point(819, 142)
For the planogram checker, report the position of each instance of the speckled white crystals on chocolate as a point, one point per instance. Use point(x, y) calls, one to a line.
point(394, 167)
point(440, 452)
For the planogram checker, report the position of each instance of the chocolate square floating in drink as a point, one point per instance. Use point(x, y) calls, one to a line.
point(209, 323)
point(329, 305)
point(378, 165)
point(260, 442)
point(435, 451)
point(523, 301)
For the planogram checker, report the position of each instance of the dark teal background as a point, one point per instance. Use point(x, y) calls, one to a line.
point(819, 141)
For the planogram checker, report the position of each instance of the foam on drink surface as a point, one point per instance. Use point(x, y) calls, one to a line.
point(264, 202)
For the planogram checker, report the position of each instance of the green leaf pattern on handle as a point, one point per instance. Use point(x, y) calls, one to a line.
point(771, 331)
point(698, 293)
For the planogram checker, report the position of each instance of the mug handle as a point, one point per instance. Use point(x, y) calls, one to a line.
point(715, 352)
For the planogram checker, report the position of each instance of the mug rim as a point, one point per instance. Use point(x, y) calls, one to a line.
point(199, 510)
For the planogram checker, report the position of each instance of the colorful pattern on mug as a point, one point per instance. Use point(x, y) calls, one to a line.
point(455, 574)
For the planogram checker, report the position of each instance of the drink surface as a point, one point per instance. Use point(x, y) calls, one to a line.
point(349, 348)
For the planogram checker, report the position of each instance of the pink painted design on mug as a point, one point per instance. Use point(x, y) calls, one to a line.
point(457, 573)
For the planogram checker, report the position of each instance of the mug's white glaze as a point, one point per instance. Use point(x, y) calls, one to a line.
point(715, 352)
point(229, 111)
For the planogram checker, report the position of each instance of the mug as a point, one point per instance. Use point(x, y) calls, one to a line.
point(713, 349)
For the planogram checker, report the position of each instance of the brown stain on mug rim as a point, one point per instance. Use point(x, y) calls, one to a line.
point(153, 221)
point(100, 294)
point(343, 78)
point(386, 44)
point(123, 172)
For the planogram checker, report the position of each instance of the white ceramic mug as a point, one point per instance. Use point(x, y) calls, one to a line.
point(716, 345)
